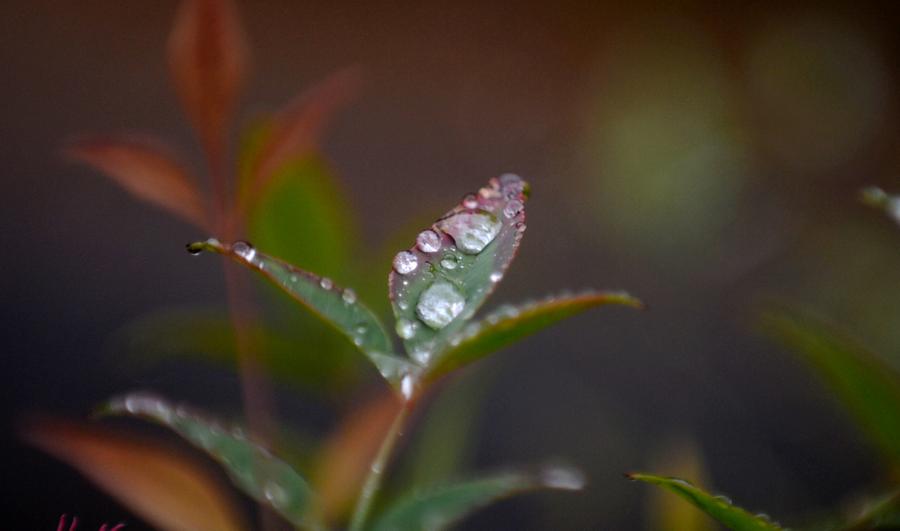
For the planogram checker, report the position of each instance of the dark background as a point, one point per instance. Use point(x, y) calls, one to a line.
point(701, 156)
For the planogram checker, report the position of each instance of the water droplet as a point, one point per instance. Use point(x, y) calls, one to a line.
point(361, 329)
point(349, 296)
point(428, 241)
point(496, 276)
point(449, 263)
point(405, 262)
point(294, 278)
point(405, 328)
point(358, 341)
point(513, 208)
point(244, 250)
point(440, 304)
point(421, 355)
point(565, 478)
point(276, 494)
point(326, 283)
point(194, 249)
point(470, 201)
point(407, 386)
point(403, 304)
point(472, 231)
point(723, 499)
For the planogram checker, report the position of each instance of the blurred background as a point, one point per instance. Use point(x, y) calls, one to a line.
point(702, 156)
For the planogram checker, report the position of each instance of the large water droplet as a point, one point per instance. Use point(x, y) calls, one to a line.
point(472, 231)
point(405, 328)
point(244, 250)
point(349, 296)
point(440, 304)
point(428, 241)
point(405, 262)
point(326, 283)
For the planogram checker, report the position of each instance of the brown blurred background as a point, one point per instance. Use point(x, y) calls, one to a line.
point(701, 155)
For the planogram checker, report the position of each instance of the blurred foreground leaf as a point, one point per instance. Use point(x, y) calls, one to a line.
point(167, 489)
point(868, 387)
point(440, 507)
point(879, 513)
point(718, 507)
point(253, 469)
point(510, 324)
point(334, 305)
point(146, 169)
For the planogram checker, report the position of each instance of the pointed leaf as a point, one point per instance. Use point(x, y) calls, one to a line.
point(334, 305)
point(345, 458)
point(146, 169)
point(297, 129)
point(440, 507)
point(438, 284)
point(718, 507)
point(868, 387)
point(509, 324)
point(207, 62)
point(167, 489)
point(253, 469)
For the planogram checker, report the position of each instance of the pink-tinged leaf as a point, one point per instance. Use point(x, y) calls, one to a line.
point(147, 169)
point(438, 284)
point(167, 489)
point(509, 324)
point(296, 129)
point(347, 455)
point(207, 61)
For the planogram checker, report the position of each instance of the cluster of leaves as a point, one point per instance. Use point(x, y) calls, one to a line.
point(283, 197)
point(868, 388)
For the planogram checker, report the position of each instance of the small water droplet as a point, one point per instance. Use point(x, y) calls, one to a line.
point(470, 201)
point(194, 249)
point(421, 355)
point(358, 341)
point(565, 478)
point(276, 494)
point(405, 262)
point(403, 304)
point(349, 296)
point(326, 283)
point(405, 328)
point(407, 386)
point(244, 250)
point(472, 231)
point(723, 499)
point(496, 276)
point(294, 278)
point(439, 305)
point(449, 263)
point(513, 208)
point(428, 241)
point(361, 329)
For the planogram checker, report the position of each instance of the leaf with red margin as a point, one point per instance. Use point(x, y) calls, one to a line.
point(457, 265)
point(147, 169)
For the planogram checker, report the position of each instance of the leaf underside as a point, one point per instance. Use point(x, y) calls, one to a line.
point(456, 260)
point(252, 468)
point(718, 507)
point(440, 507)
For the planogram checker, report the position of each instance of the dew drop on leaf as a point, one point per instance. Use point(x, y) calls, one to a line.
point(349, 296)
point(276, 494)
point(326, 283)
point(472, 231)
point(449, 263)
point(496, 276)
point(428, 241)
point(470, 201)
point(407, 385)
point(440, 304)
point(244, 250)
point(405, 328)
point(513, 208)
point(405, 262)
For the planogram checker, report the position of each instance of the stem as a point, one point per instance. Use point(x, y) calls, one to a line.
point(376, 472)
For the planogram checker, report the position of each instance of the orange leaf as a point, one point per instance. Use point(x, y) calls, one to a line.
point(346, 456)
point(146, 169)
point(162, 486)
point(297, 127)
point(207, 61)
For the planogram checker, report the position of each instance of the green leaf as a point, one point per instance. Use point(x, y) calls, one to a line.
point(882, 512)
point(437, 285)
point(718, 507)
point(253, 469)
point(334, 305)
point(868, 387)
point(439, 507)
point(509, 324)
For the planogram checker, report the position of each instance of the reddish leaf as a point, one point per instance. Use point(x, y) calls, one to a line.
point(146, 169)
point(297, 128)
point(167, 489)
point(208, 60)
point(346, 456)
